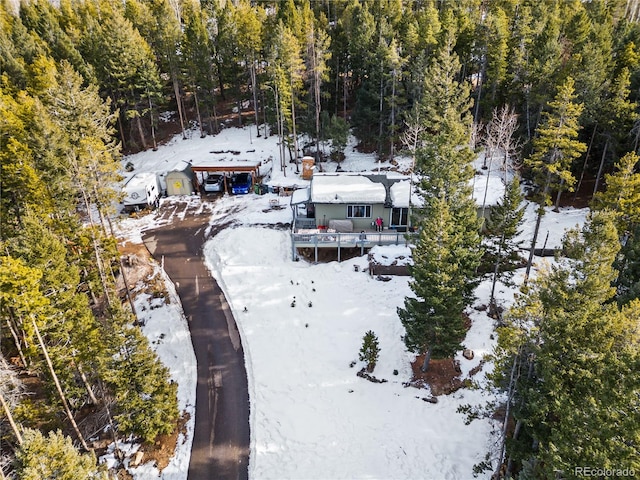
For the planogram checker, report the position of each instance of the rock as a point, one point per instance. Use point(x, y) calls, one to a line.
point(456, 367)
point(382, 278)
point(430, 399)
point(137, 458)
point(363, 374)
point(101, 444)
point(468, 354)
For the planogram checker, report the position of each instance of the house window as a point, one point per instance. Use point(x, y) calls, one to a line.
point(400, 216)
point(358, 211)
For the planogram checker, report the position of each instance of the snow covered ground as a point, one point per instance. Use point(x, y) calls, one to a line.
point(311, 416)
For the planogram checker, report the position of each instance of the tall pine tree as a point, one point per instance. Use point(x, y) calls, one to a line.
point(576, 390)
point(54, 456)
point(554, 149)
point(448, 249)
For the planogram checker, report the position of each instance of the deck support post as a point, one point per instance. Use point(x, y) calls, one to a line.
point(315, 242)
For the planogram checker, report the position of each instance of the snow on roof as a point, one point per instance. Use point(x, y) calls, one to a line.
point(492, 185)
point(400, 193)
point(345, 188)
point(300, 195)
point(230, 164)
point(139, 180)
point(243, 260)
point(184, 171)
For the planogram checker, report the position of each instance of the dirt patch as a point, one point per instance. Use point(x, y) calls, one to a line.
point(138, 269)
point(136, 262)
point(443, 376)
point(123, 475)
point(161, 452)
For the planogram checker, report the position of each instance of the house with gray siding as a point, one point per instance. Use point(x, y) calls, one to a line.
point(350, 202)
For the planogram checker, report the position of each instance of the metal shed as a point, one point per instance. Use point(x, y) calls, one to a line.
point(181, 182)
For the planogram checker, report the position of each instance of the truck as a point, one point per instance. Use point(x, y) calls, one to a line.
point(141, 191)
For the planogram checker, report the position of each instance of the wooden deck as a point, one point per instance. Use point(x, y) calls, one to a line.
point(314, 238)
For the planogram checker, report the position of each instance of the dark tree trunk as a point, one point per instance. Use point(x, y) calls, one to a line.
point(533, 243)
point(601, 167)
point(176, 91)
point(427, 360)
point(143, 138)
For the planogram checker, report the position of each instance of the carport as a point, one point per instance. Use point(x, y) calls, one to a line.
point(221, 166)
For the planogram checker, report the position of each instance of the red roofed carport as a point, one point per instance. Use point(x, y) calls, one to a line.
point(227, 167)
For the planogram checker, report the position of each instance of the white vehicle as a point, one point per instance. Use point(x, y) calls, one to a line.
point(142, 190)
point(214, 183)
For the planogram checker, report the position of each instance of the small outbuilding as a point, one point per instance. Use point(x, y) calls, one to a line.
point(181, 182)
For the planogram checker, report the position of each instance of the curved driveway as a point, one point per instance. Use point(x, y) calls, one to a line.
point(221, 439)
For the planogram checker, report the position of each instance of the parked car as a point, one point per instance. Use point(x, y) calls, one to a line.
point(241, 183)
point(214, 183)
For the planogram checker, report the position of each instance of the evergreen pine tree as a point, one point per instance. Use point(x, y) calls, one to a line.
point(338, 132)
point(54, 456)
point(74, 338)
point(628, 265)
point(249, 21)
point(146, 399)
point(496, 52)
point(447, 252)
point(22, 183)
point(370, 350)
point(124, 63)
point(17, 47)
point(617, 117)
point(554, 149)
point(622, 195)
point(578, 351)
point(433, 318)
point(501, 249)
point(45, 20)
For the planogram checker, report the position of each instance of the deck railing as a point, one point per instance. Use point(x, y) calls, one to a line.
point(305, 223)
point(320, 239)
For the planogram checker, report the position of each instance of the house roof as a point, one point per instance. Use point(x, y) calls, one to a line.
point(299, 196)
point(488, 190)
point(184, 172)
point(345, 188)
point(400, 193)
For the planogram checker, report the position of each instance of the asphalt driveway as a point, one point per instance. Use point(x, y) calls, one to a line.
point(221, 439)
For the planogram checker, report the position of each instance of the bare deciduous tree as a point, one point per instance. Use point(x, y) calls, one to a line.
point(499, 140)
point(410, 140)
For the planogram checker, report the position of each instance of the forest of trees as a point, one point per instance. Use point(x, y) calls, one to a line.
point(553, 85)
